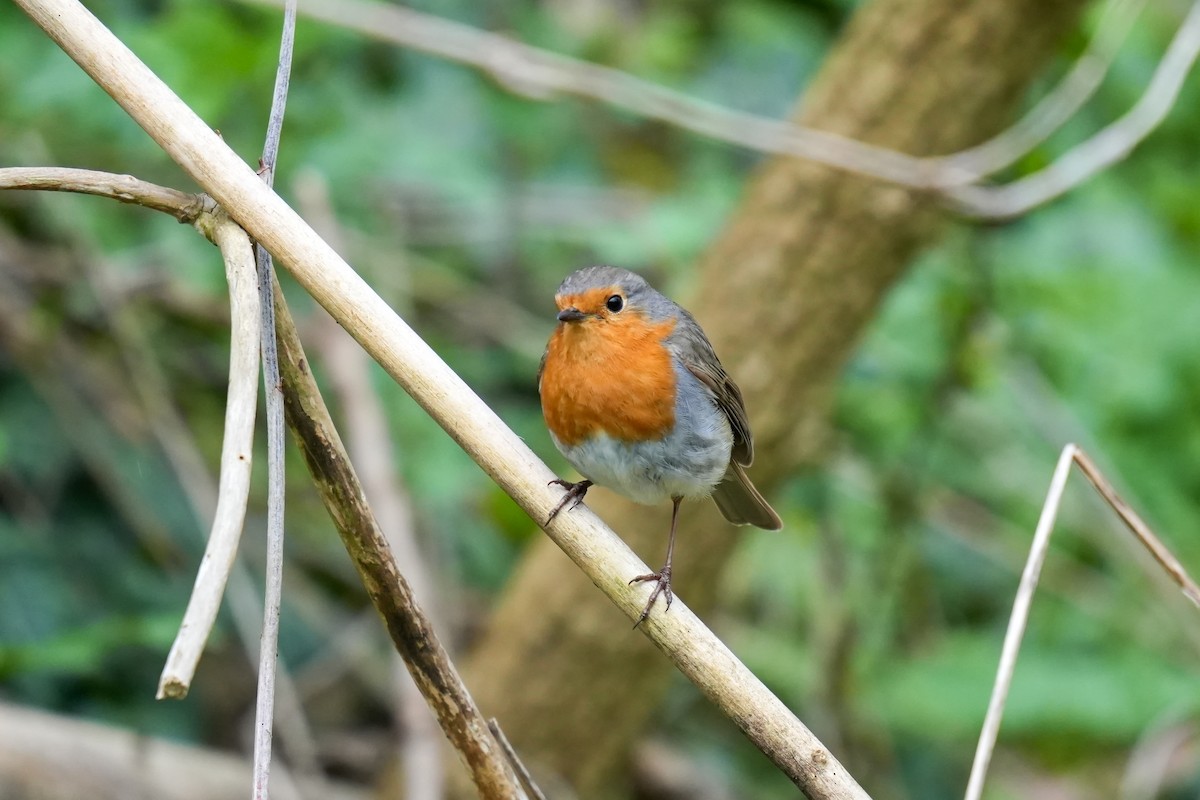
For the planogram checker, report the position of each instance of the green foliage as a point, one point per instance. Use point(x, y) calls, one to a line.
point(878, 614)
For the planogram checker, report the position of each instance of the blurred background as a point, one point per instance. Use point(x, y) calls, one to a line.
point(877, 614)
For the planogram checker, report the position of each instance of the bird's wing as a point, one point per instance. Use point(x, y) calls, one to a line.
point(701, 360)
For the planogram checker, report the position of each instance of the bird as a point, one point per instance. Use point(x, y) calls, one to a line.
point(635, 398)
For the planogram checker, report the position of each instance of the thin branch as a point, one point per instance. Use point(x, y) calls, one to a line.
point(153, 391)
point(1060, 103)
point(236, 453)
point(1140, 529)
point(607, 561)
point(1071, 454)
point(202, 494)
point(1102, 150)
point(1016, 624)
point(411, 631)
point(125, 188)
point(268, 654)
point(510, 753)
point(164, 421)
point(283, 77)
point(541, 75)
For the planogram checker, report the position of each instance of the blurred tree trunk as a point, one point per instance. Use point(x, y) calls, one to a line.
point(785, 292)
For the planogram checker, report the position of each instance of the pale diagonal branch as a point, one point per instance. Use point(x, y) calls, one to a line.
point(691, 646)
point(1060, 103)
point(1071, 454)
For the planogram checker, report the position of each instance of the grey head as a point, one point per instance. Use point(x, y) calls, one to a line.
point(584, 284)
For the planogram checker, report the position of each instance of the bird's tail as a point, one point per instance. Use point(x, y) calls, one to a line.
point(741, 503)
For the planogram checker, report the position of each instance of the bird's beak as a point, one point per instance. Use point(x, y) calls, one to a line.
point(570, 315)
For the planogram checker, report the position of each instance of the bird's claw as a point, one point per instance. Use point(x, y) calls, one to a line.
point(573, 495)
point(662, 586)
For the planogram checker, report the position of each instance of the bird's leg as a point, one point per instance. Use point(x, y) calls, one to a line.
point(663, 576)
point(575, 492)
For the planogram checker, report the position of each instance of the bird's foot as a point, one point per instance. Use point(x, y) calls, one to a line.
point(574, 495)
point(662, 580)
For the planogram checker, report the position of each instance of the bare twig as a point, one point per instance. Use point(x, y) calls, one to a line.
point(264, 707)
point(411, 632)
point(523, 775)
point(283, 77)
point(236, 454)
point(1071, 454)
point(164, 421)
point(268, 656)
point(1060, 103)
point(1104, 148)
point(541, 75)
point(607, 561)
point(1161, 554)
point(1016, 624)
point(125, 188)
point(153, 392)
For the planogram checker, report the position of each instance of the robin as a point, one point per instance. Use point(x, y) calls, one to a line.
point(636, 399)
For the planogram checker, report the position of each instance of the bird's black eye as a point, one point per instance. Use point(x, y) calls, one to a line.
point(615, 303)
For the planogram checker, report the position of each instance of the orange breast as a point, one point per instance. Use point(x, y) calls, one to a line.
point(609, 376)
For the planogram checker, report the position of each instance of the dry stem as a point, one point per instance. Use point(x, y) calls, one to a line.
point(411, 631)
point(541, 74)
point(1071, 454)
point(268, 651)
point(236, 453)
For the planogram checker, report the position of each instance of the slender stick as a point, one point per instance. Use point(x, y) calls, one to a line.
point(599, 552)
point(1103, 149)
point(1016, 624)
point(236, 452)
point(1060, 103)
point(541, 74)
point(372, 551)
point(1019, 617)
point(268, 654)
point(1138, 528)
point(125, 188)
point(535, 793)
